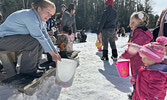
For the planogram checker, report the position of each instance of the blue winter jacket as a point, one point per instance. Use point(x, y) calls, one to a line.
point(27, 22)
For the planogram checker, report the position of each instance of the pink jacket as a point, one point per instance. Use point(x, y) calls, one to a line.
point(151, 83)
point(139, 37)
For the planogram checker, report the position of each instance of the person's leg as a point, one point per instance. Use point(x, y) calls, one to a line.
point(113, 45)
point(105, 40)
point(131, 95)
point(49, 61)
point(84, 38)
point(30, 48)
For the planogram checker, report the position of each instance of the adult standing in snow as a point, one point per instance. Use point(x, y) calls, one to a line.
point(161, 26)
point(107, 28)
point(68, 23)
point(25, 31)
point(68, 27)
point(140, 35)
point(162, 23)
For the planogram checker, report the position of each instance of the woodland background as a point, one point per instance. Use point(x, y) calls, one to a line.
point(89, 12)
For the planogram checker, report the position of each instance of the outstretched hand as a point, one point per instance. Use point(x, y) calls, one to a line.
point(55, 56)
point(132, 48)
point(99, 36)
point(58, 56)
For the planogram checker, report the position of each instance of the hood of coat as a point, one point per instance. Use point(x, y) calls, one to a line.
point(159, 67)
point(146, 31)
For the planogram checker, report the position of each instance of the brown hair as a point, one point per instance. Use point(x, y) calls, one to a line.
point(71, 7)
point(141, 17)
point(43, 4)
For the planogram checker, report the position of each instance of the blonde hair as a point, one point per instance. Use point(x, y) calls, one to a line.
point(141, 17)
point(43, 4)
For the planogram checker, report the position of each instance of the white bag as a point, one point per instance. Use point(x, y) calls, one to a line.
point(65, 72)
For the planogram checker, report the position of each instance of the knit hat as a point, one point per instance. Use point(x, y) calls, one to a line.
point(109, 2)
point(155, 51)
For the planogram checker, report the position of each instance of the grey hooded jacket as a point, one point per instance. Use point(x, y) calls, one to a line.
point(68, 20)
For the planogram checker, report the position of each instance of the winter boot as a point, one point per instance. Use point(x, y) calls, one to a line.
point(130, 96)
point(105, 55)
point(114, 55)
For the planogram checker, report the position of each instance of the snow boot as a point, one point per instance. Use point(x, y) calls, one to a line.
point(114, 55)
point(130, 96)
point(105, 55)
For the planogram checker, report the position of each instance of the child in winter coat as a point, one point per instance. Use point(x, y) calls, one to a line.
point(139, 35)
point(151, 82)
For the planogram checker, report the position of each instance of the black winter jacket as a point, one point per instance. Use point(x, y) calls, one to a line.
point(108, 20)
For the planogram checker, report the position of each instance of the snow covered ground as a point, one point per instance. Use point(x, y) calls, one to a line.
point(94, 79)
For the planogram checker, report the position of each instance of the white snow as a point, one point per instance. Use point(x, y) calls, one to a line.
point(94, 79)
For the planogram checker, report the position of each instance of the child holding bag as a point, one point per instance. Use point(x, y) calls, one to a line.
point(140, 35)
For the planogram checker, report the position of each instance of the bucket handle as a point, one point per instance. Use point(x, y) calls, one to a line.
point(118, 60)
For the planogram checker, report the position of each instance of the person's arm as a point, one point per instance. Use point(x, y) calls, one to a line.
point(55, 56)
point(44, 31)
point(159, 19)
point(36, 32)
point(138, 38)
point(102, 22)
point(43, 37)
point(126, 55)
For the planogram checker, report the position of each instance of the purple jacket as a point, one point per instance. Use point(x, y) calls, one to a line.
point(141, 37)
point(151, 83)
